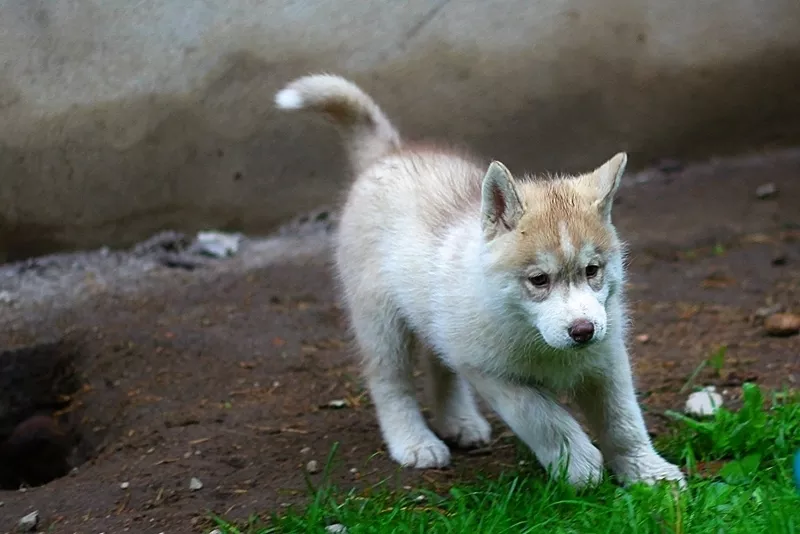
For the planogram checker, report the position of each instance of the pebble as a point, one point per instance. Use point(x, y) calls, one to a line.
point(195, 484)
point(217, 244)
point(125, 485)
point(336, 528)
point(642, 338)
point(766, 190)
point(215, 531)
point(337, 403)
point(305, 450)
point(312, 467)
point(29, 522)
point(782, 324)
point(766, 311)
point(704, 402)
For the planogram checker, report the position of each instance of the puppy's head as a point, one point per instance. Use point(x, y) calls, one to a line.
point(552, 251)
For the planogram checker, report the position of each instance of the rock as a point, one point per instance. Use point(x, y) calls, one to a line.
point(703, 403)
point(215, 531)
point(766, 190)
point(217, 244)
point(766, 311)
point(782, 324)
point(313, 467)
point(195, 484)
point(643, 338)
point(305, 450)
point(337, 404)
point(29, 522)
point(125, 485)
point(336, 528)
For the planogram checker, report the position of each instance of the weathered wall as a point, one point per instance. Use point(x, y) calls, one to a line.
point(120, 118)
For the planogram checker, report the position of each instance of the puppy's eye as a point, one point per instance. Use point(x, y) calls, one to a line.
point(539, 280)
point(592, 270)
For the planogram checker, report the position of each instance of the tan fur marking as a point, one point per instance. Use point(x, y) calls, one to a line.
point(543, 227)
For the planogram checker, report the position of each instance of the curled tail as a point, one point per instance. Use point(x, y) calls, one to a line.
point(368, 133)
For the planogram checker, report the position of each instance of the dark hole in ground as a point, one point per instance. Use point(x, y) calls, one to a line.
point(39, 426)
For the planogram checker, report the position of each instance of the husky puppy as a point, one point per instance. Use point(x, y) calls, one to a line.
point(508, 286)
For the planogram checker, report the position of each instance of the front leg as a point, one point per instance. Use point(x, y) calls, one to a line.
point(545, 426)
point(609, 402)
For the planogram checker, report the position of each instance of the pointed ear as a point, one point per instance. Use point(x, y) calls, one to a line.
point(501, 207)
point(606, 180)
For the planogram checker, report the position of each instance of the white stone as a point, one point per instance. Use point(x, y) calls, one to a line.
point(336, 529)
point(195, 484)
point(125, 485)
point(29, 522)
point(313, 467)
point(703, 403)
point(217, 244)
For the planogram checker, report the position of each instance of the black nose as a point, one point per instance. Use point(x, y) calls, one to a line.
point(581, 331)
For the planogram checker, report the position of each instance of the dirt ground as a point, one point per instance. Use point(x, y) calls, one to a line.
point(227, 377)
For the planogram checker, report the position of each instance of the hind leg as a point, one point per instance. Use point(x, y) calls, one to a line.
point(386, 344)
point(457, 418)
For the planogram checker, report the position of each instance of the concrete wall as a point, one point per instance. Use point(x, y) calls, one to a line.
point(121, 118)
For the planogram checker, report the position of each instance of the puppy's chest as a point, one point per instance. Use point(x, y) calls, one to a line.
point(553, 370)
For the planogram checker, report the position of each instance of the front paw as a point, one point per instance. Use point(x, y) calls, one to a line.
point(647, 467)
point(424, 451)
point(467, 432)
point(585, 468)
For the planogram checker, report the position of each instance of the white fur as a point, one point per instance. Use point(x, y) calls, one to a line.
point(289, 99)
point(420, 278)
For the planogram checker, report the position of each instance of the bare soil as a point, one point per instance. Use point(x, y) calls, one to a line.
point(229, 378)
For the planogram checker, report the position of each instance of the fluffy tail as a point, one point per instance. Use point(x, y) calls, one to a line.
point(367, 132)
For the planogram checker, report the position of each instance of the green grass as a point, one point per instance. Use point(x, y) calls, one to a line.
point(750, 492)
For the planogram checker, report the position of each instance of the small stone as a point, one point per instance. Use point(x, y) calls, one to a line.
point(29, 522)
point(337, 403)
point(766, 311)
point(215, 531)
point(336, 529)
point(305, 450)
point(313, 467)
point(782, 324)
point(217, 244)
point(353, 471)
point(125, 485)
point(195, 484)
point(766, 190)
point(643, 338)
point(704, 402)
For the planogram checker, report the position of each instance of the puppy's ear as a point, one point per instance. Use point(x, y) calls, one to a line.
point(604, 181)
point(501, 207)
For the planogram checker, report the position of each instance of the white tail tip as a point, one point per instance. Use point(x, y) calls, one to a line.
point(289, 99)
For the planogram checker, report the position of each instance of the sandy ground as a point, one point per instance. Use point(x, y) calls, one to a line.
point(159, 367)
